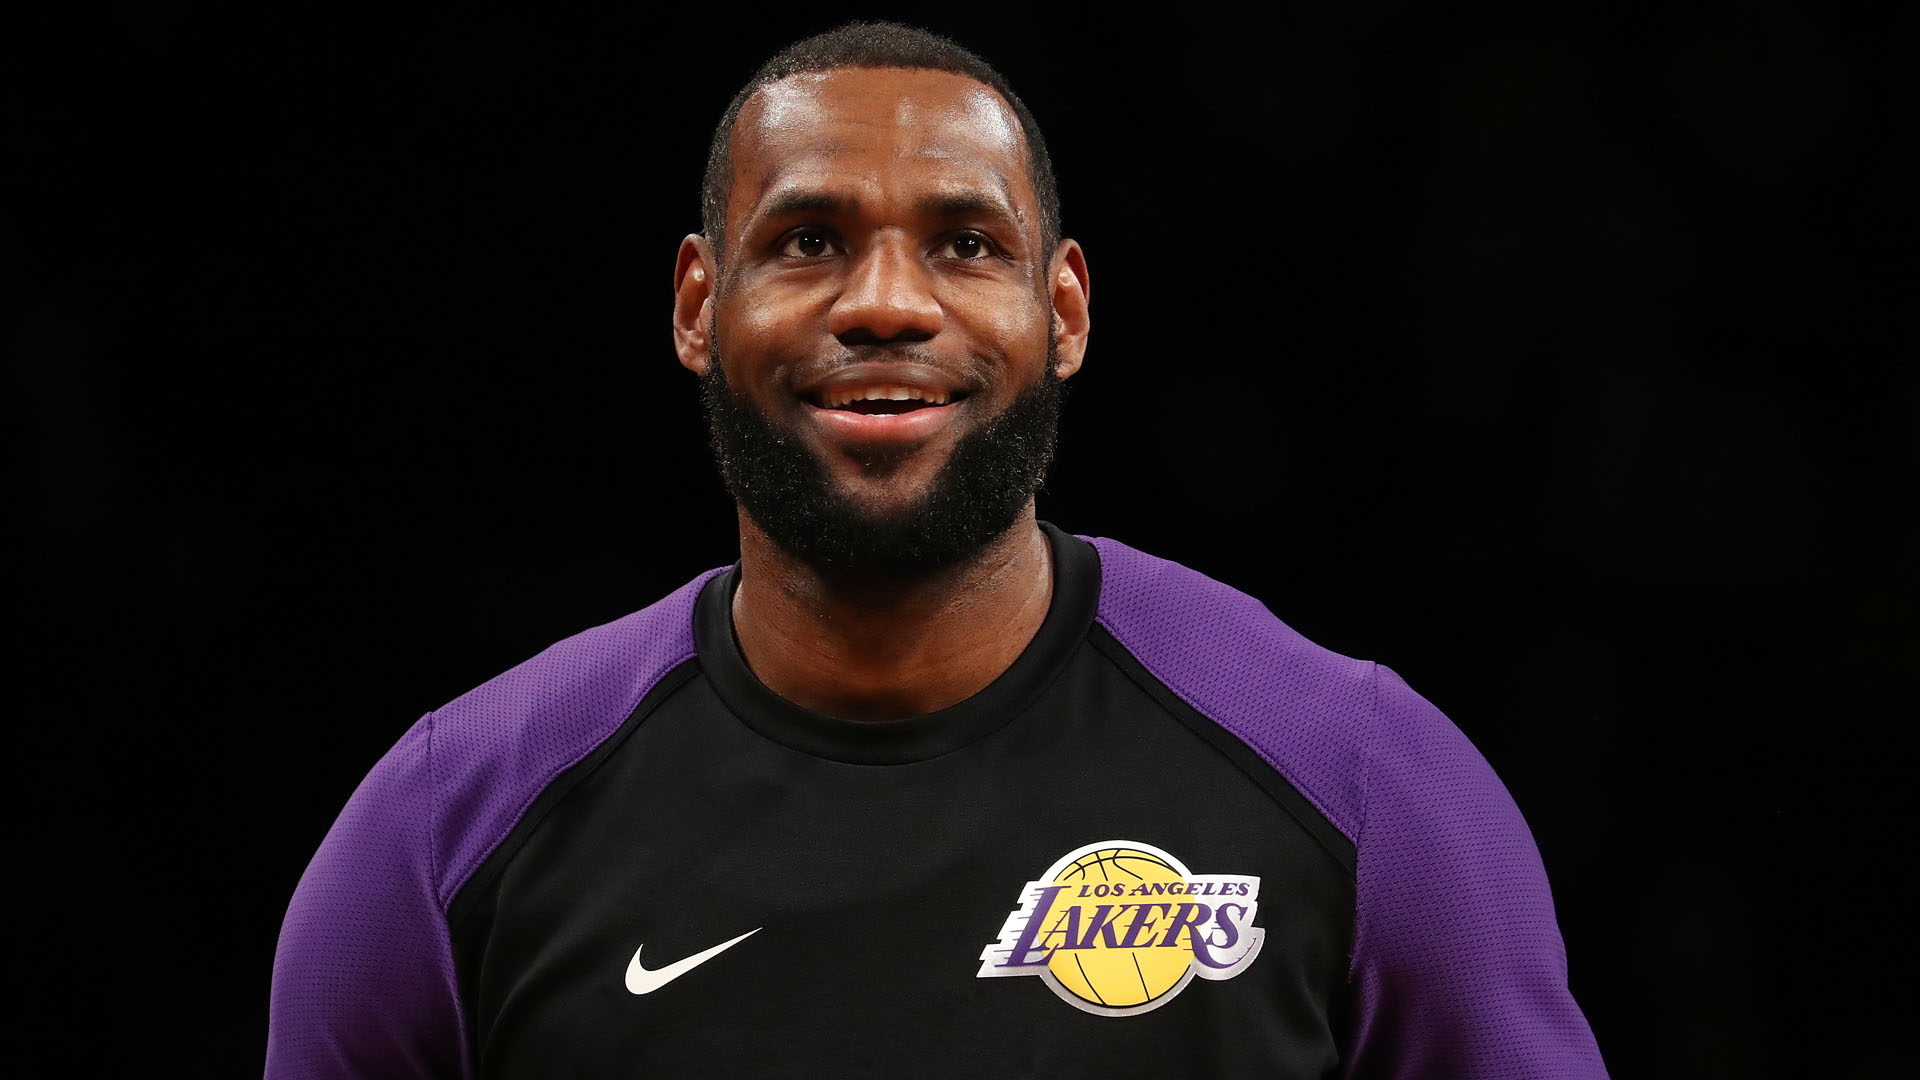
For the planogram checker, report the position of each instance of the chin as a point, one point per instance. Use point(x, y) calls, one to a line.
point(912, 508)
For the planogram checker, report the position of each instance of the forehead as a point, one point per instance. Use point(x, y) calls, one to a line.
point(864, 127)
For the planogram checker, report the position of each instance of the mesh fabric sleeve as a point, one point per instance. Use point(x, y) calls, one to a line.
point(1458, 965)
point(363, 980)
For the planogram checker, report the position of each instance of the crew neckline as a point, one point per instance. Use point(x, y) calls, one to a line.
point(1076, 593)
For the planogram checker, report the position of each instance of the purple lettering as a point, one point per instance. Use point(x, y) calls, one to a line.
point(1024, 944)
point(1190, 917)
point(1066, 928)
point(1101, 923)
point(1141, 924)
point(1228, 926)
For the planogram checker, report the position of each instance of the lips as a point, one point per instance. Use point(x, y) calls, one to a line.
point(872, 400)
point(884, 402)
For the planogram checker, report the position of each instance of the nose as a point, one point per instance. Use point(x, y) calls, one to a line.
point(888, 297)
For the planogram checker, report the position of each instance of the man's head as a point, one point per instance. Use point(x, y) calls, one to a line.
point(879, 309)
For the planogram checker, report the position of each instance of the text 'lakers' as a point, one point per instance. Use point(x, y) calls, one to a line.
point(1091, 929)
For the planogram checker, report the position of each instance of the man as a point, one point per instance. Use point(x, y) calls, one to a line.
point(920, 786)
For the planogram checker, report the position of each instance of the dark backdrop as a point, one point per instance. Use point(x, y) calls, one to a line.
point(1562, 357)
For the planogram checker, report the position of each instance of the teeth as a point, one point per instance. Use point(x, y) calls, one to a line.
point(836, 399)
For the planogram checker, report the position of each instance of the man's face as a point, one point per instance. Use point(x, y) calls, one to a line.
point(882, 303)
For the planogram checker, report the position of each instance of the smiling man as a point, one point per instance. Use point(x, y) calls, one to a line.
point(920, 785)
point(881, 314)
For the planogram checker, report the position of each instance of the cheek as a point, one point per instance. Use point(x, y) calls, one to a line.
point(758, 340)
point(761, 326)
point(773, 321)
point(1012, 326)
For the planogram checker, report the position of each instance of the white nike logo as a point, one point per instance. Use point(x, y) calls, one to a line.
point(642, 981)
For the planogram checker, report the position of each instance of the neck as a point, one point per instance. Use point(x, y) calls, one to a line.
point(862, 649)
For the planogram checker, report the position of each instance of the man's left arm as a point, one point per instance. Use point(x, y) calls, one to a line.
point(1458, 965)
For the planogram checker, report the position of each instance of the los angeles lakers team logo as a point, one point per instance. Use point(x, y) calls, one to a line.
point(1120, 927)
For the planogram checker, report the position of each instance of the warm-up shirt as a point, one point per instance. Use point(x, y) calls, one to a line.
point(1174, 838)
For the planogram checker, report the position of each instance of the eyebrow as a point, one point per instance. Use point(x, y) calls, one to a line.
point(963, 204)
point(804, 201)
point(800, 201)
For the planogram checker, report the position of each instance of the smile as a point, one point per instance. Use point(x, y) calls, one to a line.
point(878, 403)
point(887, 420)
point(881, 400)
point(883, 415)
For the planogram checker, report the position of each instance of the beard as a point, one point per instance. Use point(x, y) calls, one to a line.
point(974, 499)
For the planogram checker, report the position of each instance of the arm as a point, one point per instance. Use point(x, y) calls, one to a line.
point(1458, 964)
point(363, 982)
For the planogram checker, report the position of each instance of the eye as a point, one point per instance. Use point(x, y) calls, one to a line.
point(808, 244)
point(966, 247)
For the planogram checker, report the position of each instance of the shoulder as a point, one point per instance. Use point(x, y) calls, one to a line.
point(1347, 733)
point(363, 977)
point(493, 749)
point(1305, 709)
point(1457, 960)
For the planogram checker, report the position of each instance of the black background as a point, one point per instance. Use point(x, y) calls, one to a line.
point(1562, 357)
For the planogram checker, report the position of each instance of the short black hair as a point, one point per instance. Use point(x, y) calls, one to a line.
point(875, 45)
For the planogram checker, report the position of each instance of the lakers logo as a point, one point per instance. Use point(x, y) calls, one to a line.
point(1120, 927)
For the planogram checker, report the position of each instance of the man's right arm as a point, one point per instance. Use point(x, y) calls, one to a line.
point(363, 980)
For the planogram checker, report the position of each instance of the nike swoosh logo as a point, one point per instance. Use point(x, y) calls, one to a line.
point(642, 981)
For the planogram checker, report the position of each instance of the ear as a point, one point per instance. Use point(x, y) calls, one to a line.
point(693, 303)
point(1072, 289)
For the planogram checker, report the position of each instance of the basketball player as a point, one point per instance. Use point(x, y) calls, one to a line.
point(919, 786)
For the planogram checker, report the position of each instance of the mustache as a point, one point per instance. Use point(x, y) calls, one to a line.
point(974, 371)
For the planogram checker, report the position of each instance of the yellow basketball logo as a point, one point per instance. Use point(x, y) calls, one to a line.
point(1120, 927)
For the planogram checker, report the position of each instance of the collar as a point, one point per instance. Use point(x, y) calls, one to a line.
point(1076, 591)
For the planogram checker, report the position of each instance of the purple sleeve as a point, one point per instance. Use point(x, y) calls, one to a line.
point(1458, 968)
point(1458, 964)
point(363, 982)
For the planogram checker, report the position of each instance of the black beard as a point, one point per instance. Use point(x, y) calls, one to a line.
point(974, 499)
